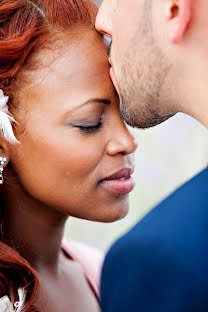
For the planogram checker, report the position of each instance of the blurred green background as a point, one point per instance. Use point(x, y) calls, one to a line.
point(168, 155)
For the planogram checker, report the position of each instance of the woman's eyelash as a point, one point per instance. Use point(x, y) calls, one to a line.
point(91, 129)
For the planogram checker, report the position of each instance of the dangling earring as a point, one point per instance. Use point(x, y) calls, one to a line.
point(2, 162)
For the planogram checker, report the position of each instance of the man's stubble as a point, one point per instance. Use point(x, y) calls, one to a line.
point(142, 77)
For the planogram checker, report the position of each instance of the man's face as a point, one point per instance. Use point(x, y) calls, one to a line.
point(139, 67)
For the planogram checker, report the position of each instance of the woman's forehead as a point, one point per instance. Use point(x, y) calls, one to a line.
point(71, 52)
point(76, 67)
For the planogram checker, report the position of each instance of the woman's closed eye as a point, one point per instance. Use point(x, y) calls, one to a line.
point(89, 117)
point(90, 128)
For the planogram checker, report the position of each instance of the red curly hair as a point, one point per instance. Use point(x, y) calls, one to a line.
point(24, 25)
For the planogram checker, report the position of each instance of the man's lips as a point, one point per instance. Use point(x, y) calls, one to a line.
point(111, 73)
point(120, 183)
point(112, 76)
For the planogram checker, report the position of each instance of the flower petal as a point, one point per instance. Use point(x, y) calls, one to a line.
point(22, 296)
point(6, 127)
point(5, 305)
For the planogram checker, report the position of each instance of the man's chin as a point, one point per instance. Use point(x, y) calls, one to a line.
point(141, 118)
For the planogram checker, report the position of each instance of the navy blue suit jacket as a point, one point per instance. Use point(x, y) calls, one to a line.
point(161, 265)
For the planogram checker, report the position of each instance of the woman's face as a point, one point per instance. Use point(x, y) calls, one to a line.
point(74, 137)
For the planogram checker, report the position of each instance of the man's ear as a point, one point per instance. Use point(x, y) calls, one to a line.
point(179, 14)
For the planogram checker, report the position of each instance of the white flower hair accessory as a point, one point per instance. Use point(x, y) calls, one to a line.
point(6, 119)
point(7, 306)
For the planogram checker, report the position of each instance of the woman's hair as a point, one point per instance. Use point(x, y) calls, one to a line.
point(25, 26)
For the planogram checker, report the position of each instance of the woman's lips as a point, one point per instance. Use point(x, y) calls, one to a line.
point(120, 183)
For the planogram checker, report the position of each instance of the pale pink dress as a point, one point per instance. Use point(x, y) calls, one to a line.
point(89, 258)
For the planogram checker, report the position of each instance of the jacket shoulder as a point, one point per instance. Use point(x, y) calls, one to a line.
point(183, 208)
point(178, 225)
point(163, 258)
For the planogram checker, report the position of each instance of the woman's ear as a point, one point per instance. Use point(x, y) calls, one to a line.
point(179, 15)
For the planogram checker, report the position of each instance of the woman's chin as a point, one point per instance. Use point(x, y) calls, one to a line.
point(115, 213)
point(105, 212)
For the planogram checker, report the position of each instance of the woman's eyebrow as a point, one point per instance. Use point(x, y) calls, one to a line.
point(91, 101)
point(97, 100)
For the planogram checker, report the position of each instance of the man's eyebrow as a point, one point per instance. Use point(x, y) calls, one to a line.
point(97, 100)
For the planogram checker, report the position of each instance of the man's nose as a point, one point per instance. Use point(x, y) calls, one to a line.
point(103, 22)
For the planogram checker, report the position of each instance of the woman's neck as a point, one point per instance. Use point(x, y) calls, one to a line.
point(33, 229)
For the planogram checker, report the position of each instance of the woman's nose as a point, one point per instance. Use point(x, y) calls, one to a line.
point(103, 22)
point(124, 142)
